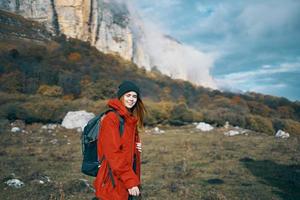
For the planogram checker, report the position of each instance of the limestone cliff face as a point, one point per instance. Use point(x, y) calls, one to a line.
point(105, 24)
point(112, 27)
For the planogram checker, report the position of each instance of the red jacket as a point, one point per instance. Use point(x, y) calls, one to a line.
point(119, 153)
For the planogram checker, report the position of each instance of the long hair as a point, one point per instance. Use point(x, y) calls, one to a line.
point(138, 110)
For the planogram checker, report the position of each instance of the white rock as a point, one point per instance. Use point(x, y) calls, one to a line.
point(282, 134)
point(16, 183)
point(52, 126)
point(232, 133)
point(226, 125)
point(54, 141)
point(204, 126)
point(44, 127)
point(77, 119)
point(158, 130)
point(79, 130)
point(15, 129)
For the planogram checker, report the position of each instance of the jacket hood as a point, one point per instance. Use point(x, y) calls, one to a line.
point(122, 110)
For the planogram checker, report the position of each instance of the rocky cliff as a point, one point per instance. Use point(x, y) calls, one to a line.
point(105, 24)
point(110, 26)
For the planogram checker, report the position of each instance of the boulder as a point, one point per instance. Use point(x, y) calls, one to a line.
point(15, 129)
point(204, 126)
point(282, 134)
point(158, 130)
point(232, 133)
point(16, 183)
point(236, 131)
point(77, 119)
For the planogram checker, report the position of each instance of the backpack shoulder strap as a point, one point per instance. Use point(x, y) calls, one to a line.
point(121, 119)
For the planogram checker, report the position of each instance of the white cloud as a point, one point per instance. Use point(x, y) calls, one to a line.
point(264, 70)
point(259, 80)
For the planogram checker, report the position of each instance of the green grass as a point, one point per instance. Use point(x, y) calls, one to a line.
point(182, 163)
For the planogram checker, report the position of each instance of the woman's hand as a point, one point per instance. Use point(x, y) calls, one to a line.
point(139, 146)
point(134, 191)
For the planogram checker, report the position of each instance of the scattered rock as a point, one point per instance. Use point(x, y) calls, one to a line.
point(77, 119)
point(79, 130)
point(282, 134)
point(155, 130)
point(226, 125)
point(39, 178)
point(54, 141)
point(16, 183)
point(204, 126)
point(50, 127)
point(18, 123)
point(24, 131)
point(15, 129)
point(44, 127)
point(232, 133)
point(158, 130)
point(53, 126)
point(236, 131)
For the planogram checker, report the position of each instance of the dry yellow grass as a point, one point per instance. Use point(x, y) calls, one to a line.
point(182, 163)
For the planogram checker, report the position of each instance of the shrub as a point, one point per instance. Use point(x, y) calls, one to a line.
point(291, 126)
point(36, 109)
point(221, 115)
point(99, 90)
point(10, 82)
point(4, 125)
point(157, 112)
point(180, 115)
point(259, 108)
point(46, 111)
point(288, 125)
point(74, 57)
point(259, 123)
point(48, 90)
point(12, 111)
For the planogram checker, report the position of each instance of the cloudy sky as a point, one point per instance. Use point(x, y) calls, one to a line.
point(255, 43)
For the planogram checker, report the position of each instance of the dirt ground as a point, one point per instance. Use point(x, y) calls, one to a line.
point(181, 163)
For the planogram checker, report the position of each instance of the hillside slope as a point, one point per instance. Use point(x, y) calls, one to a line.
point(39, 69)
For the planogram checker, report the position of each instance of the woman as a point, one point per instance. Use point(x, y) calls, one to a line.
point(119, 175)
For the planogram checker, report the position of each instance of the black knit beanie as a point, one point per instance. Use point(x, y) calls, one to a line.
point(127, 86)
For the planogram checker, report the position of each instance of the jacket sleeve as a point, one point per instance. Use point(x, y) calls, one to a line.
point(114, 153)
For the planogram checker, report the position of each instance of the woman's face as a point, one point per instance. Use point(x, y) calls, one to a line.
point(130, 99)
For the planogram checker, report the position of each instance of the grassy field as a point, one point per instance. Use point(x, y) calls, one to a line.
point(182, 163)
